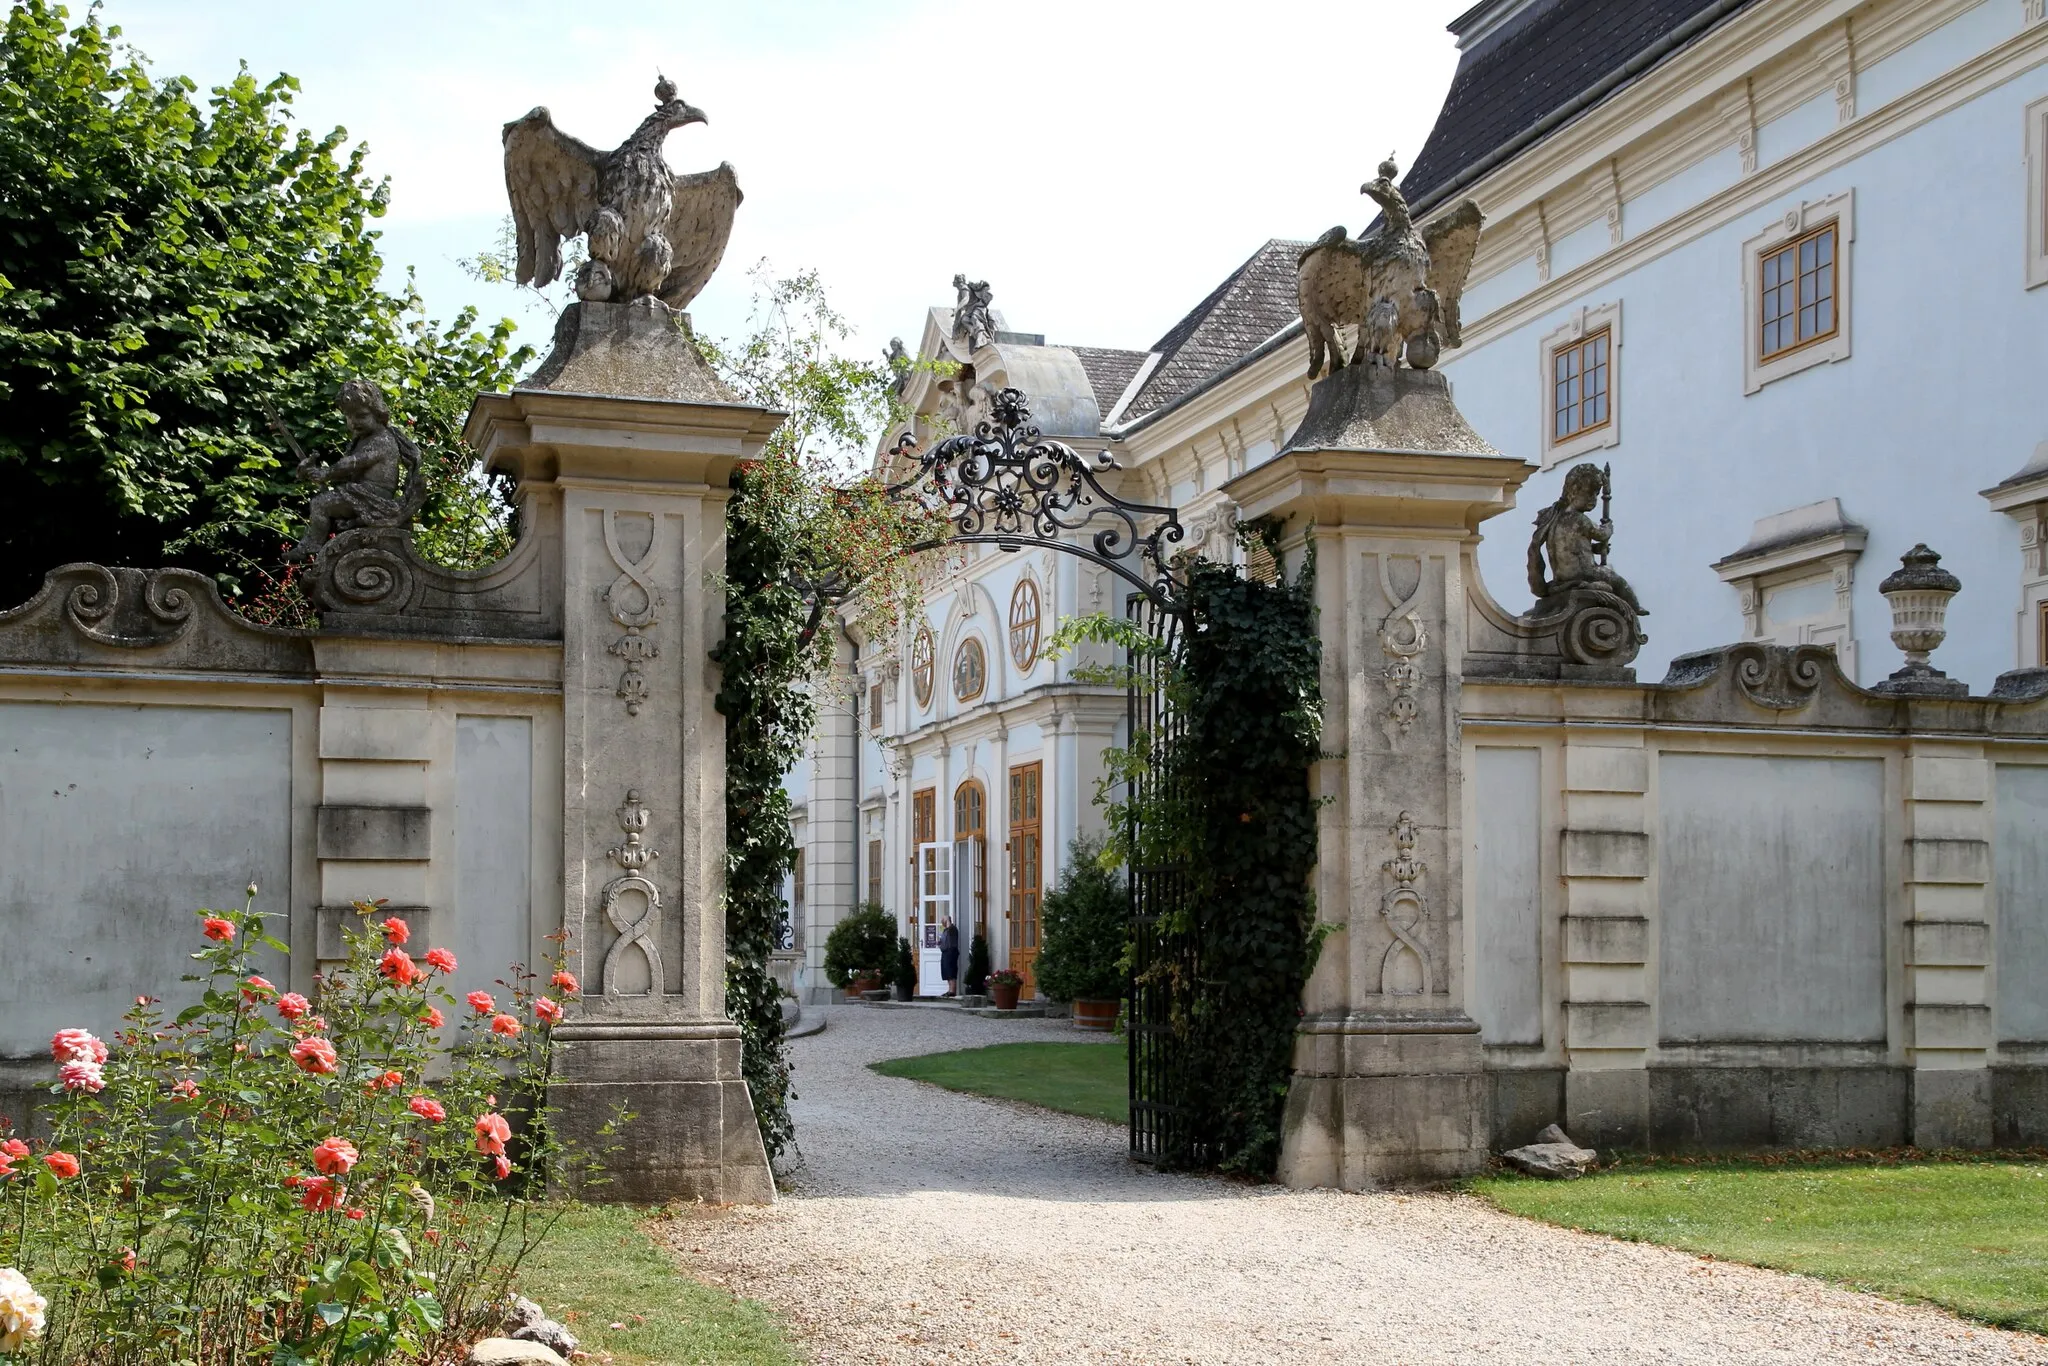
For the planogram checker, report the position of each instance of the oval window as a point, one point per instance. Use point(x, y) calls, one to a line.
point(1024, 624)
point(921, 666)
point(970, 670)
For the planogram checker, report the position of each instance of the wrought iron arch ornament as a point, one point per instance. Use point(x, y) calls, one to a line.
point(1007, 484)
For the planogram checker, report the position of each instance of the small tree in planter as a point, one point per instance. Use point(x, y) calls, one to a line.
point(861, 949)
point(1085, 924)
point(977, 966)
point(906, 972)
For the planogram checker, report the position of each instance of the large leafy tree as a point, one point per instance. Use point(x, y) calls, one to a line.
point(172, 271)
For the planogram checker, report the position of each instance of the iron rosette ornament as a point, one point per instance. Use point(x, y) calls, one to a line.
point(1007, 484)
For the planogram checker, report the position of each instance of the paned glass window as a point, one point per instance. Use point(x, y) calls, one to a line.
point(1024, 624)
point(875, 707)
point(1579, 386)
point(921, 666)
point(1797, 306)
point(970, 670)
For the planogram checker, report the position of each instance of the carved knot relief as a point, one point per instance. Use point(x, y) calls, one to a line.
point(635, 604)
point(632, 856)
point(1403, 638)
point(129, 608)
point(1405, 910)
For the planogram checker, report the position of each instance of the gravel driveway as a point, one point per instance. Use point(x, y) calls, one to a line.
point(925, 1226)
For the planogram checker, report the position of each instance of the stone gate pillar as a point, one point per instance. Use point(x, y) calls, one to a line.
point(627, 439)
point(1390, 485)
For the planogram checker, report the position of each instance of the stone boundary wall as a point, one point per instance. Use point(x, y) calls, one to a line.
point(1755, 904)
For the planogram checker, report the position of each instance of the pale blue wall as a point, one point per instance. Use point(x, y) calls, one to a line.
point(1941, 396)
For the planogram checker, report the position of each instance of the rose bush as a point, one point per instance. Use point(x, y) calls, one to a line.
point(268, 1178)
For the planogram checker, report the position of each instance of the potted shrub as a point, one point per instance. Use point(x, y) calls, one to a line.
point(1004, 984)
point(976, 983)
point(906, 972)
point(860, 950)
point(1085, 925)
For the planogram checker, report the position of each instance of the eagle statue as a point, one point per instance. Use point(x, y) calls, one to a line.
point(1399, 286)
point(651, 231)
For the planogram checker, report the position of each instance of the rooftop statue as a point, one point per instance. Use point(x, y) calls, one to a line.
point(971, 316)
point(651, 231)
point(375, 483)
point(1399, 286)
point(1575, 545)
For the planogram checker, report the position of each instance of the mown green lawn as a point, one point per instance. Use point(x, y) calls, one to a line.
point(1091, 1079)
point(598, 1266)
point(1971, 1236)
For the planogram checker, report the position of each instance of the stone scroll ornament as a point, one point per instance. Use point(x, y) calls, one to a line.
point(1594, 611)
point(1404, 675)
point(634, 604)
point(633, 856)
point(1404, 910)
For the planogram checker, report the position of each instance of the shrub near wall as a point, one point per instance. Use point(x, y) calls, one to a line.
point(1085, 928)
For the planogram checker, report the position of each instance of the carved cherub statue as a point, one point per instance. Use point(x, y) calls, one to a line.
point(362, 486)
point(971, 316)
point(1574, 544)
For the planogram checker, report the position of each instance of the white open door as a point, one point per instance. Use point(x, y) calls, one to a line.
point(935, 881)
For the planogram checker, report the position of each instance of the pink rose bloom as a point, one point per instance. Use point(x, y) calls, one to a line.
point(216, 929)
point(565, 982)
point(255, 987)
point(398, 967)
point(293, 1006)
point(481, 1002)
point(334, 1156)
point(355, 1213)
point(427, 1108)
point(547, 1010)
point(63, 1166)
point(440, 960)
point(318, 1193)
point(187, 1089)
point(82, 1076)
point(314, 1054)
point(14, 1147)
point(506, 1025)
point(491, 1133)
point(503, 1165)
point(77, 1045)
point(396, 931)
point(432, 1019)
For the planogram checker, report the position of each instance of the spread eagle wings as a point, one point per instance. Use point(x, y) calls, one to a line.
point(699, 223)
point(1452, 239)
point(551, 179)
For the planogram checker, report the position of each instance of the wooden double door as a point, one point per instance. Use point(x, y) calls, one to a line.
point(1027, 870)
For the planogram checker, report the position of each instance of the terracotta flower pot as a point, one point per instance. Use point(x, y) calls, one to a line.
point(858, 985)
point(1099, 1016)
point(1006, 996)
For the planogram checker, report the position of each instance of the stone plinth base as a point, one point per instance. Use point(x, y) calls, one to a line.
point(1952, 1109)
point(1386, 1100)
point(692, 1136)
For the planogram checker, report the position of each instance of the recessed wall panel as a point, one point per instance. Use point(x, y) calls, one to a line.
point(2020, 866)
point(493, 847)
point(1507, 979)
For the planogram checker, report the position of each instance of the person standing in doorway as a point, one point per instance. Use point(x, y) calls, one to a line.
point(949, 956)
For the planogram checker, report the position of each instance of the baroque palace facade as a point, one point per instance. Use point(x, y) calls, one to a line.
point(1776, 262)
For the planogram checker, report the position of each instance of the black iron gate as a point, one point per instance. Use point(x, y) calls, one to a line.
point(1006, 484)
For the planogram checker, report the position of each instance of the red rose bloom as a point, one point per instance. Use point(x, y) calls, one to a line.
point(441, 960)
point(503, 1165)
point(293, 1006)
point(481, 1002)
point(491, 1133)
point(427, 1108)
point(14, 1147)
point(355, 1213)
point(398, 967)
point(387, 1081)
point(565, 982)
point(314, 1054)
point(334, 1156)
point(432, 1019)
point(64, 1166)
point(318, 1193)
point(547, 1010)
point(396, 931)
point(506, 1025)
point(256, 986)
point(216, 929)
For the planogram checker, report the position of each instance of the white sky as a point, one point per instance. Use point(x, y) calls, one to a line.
point(1103, 165)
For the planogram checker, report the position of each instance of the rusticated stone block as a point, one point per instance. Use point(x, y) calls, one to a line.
point(1961, 861)
point(1606, 939)
point(1607, 1024)
point(1951, 1026)
point(1952, 1109)
point(1605, 853)
point(1949, 943)
point(376, 833)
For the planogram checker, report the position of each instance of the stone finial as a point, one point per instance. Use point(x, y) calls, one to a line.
point(1919, 591)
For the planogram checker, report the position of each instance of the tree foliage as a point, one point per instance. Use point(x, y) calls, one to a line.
point(1085, 928)
point(170, 269)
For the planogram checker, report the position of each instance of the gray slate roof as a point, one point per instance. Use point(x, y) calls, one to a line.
point(1538, 62)
point(1109, 372)
point(1257, 300)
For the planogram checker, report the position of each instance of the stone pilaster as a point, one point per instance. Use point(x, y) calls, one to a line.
point(1389, 483)
point(1948, 943)
point(642, 484)
point(1604, 864)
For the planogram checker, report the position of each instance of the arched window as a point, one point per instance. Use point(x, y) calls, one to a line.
point(970, 822)
point(970, 670)
point(921, 666)
point(1024, 624)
